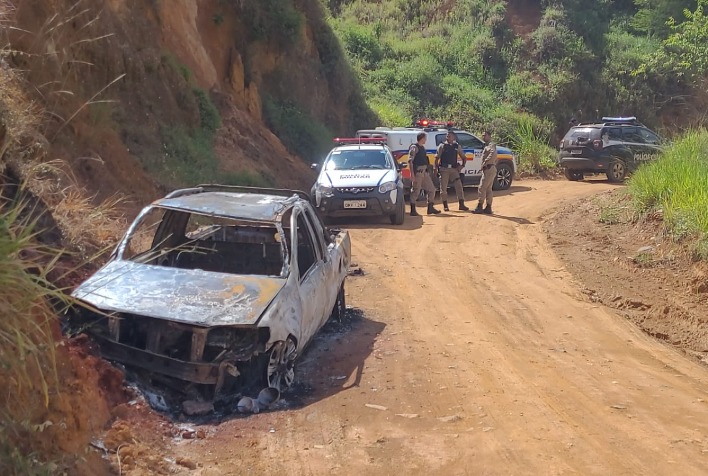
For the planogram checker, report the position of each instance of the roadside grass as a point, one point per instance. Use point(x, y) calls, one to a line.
point(674, 187)
point(27, 341)
point(535, 155)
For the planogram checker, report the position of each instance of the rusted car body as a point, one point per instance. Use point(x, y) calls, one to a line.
point(215, 287)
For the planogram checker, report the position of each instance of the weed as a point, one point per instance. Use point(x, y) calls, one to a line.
point(301, 133)
point(609, 215)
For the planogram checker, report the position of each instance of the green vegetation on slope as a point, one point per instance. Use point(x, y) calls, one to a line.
point(479, 62)
point(675, 185)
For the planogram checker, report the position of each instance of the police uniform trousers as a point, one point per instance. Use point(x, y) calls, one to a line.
point(486, 183)
point(450, 175)
point(422, 181)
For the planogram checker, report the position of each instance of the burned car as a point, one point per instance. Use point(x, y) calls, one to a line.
point(216, 288)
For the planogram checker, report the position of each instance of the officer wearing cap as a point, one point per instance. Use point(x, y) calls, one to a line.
point(489, 174)
point(418, 165)
point(446, 164)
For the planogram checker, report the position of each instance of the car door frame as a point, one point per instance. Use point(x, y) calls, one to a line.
point(311, 283)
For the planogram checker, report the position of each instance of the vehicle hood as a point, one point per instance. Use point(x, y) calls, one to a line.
point(182, 295)
point(356, 178)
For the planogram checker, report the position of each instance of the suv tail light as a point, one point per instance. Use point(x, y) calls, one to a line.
point(562, 143)
point(597, 144)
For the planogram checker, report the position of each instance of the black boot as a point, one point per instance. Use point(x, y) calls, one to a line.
point(487, 210)
point(479, 208)
point(413, 212)
point(432, 210)
point(463, 208)
point(445, 207)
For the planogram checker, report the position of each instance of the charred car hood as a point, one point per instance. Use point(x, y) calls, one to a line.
point(357, 178)
point(188, 296)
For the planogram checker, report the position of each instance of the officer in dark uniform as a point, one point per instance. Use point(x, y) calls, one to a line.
point(418, 165)
point(446, 163)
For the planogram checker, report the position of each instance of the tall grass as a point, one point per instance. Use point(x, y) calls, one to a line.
point(677, 185)
point(535, 155)
point(28, 374)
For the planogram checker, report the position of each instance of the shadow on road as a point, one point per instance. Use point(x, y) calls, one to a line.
point(334, 362)
point(517, 220)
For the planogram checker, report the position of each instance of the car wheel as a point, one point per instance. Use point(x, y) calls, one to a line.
point(573, 175)
point(617, 170)
point(398, 217)
point(505, 175)
point(280, 373)
point(340, 305)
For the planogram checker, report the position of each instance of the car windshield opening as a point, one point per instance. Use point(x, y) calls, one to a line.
point(357, 159)
point(179, 239)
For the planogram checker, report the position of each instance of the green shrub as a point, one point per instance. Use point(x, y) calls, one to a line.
point(302, 134)
point(209, 118)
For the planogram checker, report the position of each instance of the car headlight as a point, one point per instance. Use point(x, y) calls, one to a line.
point(387, 187)
point(325, 190)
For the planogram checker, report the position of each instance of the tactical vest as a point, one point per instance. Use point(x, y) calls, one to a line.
point(421, 156)
point(448, 156)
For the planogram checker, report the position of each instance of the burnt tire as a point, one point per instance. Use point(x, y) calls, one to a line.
point(573, 175)
point(280, 367)
point(340, 305)
point(616, 170)
point(505, 175)
point(398, 217)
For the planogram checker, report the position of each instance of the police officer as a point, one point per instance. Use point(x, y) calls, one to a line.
point(489, 174)
point(418, 165)
point(446, 164)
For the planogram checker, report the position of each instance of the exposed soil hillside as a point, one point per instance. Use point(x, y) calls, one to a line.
point(116, 78)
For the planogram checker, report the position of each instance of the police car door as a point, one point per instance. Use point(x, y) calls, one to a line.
point(637, 142)
point(472, 148)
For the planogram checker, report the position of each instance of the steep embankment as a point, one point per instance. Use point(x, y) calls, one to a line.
point(129, 88)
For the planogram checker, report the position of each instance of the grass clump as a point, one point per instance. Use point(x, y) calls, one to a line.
point(675, 185)
point(27, 344)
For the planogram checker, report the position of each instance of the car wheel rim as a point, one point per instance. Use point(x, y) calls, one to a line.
point(618, 169)
point(503, 177)
point(281, 368)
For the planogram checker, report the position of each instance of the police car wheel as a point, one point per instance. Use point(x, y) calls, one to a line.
point(400, 215)
point(573, 175)
point(504, 177)
point(617, 170)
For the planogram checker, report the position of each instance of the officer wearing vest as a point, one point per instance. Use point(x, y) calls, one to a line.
point(418, 165)
point(446, 163)
point(489, 174)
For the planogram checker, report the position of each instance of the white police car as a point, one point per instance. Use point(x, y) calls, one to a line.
point(359, 177)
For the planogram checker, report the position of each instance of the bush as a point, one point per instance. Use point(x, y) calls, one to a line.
point(302, 134)
point(676, 185)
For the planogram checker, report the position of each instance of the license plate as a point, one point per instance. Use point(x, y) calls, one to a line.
point(354, 203)
point(576, 152)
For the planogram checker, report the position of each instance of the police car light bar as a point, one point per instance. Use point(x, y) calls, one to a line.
point(429, 123)
point(621, 120)
point(359, 140)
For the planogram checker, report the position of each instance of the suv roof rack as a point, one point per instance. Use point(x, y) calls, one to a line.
point(630, 120)
point(371, 139)
point(282, 192)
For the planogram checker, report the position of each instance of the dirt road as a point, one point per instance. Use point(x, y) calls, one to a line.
point(471, 350)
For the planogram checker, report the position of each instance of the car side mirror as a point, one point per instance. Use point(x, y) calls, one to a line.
point(315, 166)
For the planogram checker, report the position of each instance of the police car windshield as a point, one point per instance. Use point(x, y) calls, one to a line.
point(357, 159)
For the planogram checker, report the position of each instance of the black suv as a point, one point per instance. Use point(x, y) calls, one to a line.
point(616, 146)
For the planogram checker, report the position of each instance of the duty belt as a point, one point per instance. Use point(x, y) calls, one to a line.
point(444, 166)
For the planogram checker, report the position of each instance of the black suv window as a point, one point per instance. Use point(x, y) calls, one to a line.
point(582, 134)
point(631, 134)
point(612, 133)
point(468, 141)
point(649, 137)
point(440, 138)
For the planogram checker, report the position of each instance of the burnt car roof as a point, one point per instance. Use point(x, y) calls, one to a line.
point(246, 206)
